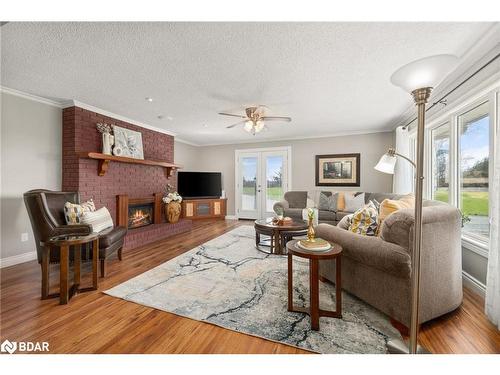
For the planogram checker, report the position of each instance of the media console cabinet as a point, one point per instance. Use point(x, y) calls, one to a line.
point(204, 208)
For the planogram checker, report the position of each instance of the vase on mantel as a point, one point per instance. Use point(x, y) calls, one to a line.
point(173, 212)
point(107, 142)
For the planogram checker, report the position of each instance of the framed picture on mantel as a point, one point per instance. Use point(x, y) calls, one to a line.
point(338, 170)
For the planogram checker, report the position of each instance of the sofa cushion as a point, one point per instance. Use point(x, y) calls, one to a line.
point(345, 222)
point(364, 221)
point(73, 211)
point(328, 201)
point(109, 236)
point(354, 202)
point(340, 214)
point(296, 199)
point(389, 206)
point(98, 220)
point(325, 215)
point(294, 213)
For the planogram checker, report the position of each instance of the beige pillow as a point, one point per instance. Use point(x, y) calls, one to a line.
point(73, 212)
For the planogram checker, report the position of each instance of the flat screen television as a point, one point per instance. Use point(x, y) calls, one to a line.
point(192, 185)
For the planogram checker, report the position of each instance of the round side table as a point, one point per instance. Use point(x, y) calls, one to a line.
point(314, 257)
point(64, 243)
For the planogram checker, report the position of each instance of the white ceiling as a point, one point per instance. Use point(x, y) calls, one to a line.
point(331, 78)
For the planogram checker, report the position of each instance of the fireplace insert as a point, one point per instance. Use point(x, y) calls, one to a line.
point(140, 215)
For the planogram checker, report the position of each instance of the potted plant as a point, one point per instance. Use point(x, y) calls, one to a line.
point(172, 201)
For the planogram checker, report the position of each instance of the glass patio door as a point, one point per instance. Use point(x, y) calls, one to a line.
point(261, 180)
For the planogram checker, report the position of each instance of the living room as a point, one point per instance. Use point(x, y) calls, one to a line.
point(250, 188)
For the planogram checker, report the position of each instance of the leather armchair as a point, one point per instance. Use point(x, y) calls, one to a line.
point(46, 213)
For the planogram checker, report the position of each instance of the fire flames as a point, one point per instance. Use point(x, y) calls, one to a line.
point(139, 218)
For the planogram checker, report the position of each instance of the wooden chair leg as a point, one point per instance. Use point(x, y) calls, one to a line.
point(120, 253)
point(103, 268)
point(45, 272)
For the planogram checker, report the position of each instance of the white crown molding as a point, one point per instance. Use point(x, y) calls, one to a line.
point(17, 259)
point(31, 97)
point(88, 107)
point(187, 142)
point(339, 134)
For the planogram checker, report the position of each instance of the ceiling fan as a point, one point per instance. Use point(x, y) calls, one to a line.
point(255, 119)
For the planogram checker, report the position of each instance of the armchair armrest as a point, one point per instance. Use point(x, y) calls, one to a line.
point(283, 204)
point(369, 250)
point(80, 229)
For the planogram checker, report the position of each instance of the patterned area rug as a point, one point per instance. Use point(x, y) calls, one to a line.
point(227, 282)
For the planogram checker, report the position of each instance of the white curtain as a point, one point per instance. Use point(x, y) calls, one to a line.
point(402, 179)
point(493, 277)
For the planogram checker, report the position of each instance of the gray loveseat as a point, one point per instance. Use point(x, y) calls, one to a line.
point(378, 269)
point(295, 201)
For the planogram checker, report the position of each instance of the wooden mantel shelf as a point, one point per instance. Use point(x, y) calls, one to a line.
point(104, 161)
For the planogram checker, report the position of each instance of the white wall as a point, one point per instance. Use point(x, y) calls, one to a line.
point(30, 158)
point(370, 146)
point(187, 156)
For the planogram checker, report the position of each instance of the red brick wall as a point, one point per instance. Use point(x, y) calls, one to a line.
point(80, 134)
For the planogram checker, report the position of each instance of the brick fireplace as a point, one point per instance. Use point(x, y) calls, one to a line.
point(121, 179)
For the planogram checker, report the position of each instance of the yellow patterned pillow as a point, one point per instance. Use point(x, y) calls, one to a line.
point(364, 221)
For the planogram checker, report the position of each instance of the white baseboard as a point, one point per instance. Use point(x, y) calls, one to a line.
point(474, 284)
point(17, 259)
point(231, 217)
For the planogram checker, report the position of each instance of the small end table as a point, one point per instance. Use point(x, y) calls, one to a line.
point(63, 243)
point(314, 257)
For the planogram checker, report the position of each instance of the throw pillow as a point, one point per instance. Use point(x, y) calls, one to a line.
point(324, 200)
point(310, 203)
point(328, 201)
point(341, 201)
point(73, 212)
point(364, 220)
point(388, 206)
point(354, 202)
point(98, 220)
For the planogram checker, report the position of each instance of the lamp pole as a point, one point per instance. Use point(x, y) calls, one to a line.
point(420, 96)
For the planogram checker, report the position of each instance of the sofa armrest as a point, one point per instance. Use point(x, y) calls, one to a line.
point(283, 205)
point(369, 250)
point(79, 229)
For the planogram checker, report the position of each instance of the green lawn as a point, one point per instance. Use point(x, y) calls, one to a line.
point(275, 193)
point(474, 203)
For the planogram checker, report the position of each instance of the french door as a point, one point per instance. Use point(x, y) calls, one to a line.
point(262, 177)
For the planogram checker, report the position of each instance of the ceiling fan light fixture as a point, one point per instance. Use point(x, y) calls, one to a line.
point(259, 126)
point(248, 126)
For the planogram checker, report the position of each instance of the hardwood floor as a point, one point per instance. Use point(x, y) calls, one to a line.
point(93, 322)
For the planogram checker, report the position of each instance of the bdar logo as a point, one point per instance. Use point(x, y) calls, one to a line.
point(8, 346)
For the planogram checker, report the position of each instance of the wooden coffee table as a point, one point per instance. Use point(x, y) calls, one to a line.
point(278, 235)
point(65, 243)
point(314, 257)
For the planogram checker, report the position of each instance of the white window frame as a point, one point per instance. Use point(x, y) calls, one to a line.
point(453, 110)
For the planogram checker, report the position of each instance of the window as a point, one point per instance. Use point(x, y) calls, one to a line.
point(457, 168)
point(441, 163)
point(474, 151)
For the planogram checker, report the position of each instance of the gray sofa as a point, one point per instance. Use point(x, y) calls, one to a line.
point(378, 269)
point(295, 201)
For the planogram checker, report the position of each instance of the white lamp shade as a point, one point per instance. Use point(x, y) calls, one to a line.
point(248, 126)
point(427, 72)
point(386, 164)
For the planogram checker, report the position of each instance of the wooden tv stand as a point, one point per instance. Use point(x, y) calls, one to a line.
point(204, 208)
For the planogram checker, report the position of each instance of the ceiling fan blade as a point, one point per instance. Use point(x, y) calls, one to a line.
point(276, 118)
point(231, 114)
point(238, 123)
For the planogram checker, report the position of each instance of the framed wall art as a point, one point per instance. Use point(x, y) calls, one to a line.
point(338, 170)
point(127, 143)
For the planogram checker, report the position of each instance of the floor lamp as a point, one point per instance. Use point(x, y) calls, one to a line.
point(418, 78)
